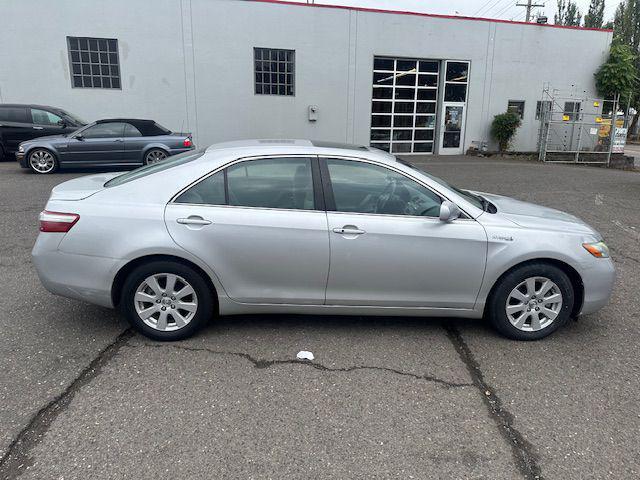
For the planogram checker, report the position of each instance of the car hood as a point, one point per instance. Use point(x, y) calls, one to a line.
point(530, 215)
point(82, 187)
point(45, 138)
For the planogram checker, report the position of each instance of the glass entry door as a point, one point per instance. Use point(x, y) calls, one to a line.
point(452, 128)
point(454, 107)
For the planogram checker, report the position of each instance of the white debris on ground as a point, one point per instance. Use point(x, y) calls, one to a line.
point(304, 355)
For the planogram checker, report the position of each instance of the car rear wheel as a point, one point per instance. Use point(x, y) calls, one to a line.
point(154, 155)
point(42, 161)
point(166, 300)
point(531, 302)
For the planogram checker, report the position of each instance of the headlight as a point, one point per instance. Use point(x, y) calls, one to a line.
point(597, 249)
point(21, 149)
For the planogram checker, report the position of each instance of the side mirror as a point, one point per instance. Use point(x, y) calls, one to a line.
point(79, 137)
point(62, 123)
point(449, 211)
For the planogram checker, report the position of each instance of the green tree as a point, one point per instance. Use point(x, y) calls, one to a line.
point(626, 31)
point(568, 14)
point(503, 128)
point(619, 74)
point(595, 16)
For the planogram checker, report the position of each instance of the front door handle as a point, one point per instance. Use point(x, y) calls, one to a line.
point(119, 140)
point(38, 128)
point(193, 220)
point(349, 230)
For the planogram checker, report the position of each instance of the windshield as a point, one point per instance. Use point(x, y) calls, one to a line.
point(154, 168)
point(75, 118)
point(473, 199)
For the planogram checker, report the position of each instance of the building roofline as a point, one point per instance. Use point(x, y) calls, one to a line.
point(430, 15)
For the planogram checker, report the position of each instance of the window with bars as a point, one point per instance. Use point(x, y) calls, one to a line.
point(94, 62)
point(274, 71)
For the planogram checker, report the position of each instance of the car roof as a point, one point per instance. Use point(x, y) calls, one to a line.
point(31, 105)
point(267, 146)
point(127, 120)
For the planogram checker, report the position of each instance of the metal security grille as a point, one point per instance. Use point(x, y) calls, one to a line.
point(274, 71)
point(94, 62)
point(403, 105)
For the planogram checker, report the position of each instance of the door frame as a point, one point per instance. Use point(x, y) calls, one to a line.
point(459, 150)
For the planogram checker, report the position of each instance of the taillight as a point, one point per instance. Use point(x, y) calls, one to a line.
point(57, 221)
point(187, 142)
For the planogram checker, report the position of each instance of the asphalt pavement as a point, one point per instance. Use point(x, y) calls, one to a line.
point(83, 397)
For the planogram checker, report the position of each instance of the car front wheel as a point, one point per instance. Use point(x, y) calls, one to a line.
point(166, 300)
point(42, 161)
point(531, 302)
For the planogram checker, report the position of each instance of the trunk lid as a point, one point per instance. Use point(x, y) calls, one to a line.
point(83, 187)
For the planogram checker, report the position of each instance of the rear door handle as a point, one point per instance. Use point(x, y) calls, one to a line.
point(348, 231)
point(194, 220)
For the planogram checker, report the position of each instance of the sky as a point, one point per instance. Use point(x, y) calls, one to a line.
point(505, 9)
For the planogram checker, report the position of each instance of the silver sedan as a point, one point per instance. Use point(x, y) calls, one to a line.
point(303, 227)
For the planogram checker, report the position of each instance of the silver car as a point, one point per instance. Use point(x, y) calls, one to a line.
point(306, 227)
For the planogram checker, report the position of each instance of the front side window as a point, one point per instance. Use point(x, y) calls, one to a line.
point(360, 187)
point(104, 130)
point(272, 183)
point(42, 117)
point(274, 71)
point(94, 62)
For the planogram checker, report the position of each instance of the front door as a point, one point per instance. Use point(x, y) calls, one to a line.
point(388, 246)
point(452, 128)
point(102, 143)
point(261, 227)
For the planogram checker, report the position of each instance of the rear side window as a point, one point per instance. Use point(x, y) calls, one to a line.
point(13, 114)
point(104, 130)
point(141, 172)
point(131, 131)
point(284, 183)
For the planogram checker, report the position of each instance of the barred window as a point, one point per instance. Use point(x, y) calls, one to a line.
point(94, 62)
point(274, 71)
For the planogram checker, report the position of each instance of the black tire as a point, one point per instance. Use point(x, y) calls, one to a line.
point(205, 302)
point(497, 303)
point(44, 151)
point(2, 156)
point(150, 153)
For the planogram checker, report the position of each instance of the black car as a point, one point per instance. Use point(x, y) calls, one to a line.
point(19, 123)
point(112, 142)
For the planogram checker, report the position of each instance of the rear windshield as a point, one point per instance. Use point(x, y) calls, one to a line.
point(154, 168)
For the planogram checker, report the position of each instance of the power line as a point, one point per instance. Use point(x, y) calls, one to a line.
point(504, 10)
point(489, 4)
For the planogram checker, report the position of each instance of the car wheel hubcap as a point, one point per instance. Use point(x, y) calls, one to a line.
point(41, 161)
point(534, 304)
point(165, 302)
point(155, 156)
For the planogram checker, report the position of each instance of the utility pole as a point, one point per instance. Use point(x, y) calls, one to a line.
point(529, 6)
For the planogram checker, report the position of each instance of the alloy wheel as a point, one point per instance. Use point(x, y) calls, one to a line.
point(165, 302)
point(534, 304)
point(155, 156)
point(42, 161)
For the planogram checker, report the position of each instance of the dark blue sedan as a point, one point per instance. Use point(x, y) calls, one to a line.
point(116, 142)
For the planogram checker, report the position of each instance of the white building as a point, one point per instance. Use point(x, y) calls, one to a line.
point(232, 69)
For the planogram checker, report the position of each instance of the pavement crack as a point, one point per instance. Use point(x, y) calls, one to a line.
point(523, 452)
point(262, 364)
point(16, 459)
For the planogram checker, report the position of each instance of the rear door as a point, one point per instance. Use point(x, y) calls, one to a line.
point(102, 143)
point(388, 245)
point(260, 225)
point(15, 127)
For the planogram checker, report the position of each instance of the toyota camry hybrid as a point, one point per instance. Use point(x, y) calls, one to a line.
point(294, 226)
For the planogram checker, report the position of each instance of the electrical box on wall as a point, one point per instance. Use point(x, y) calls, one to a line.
point(313, 113)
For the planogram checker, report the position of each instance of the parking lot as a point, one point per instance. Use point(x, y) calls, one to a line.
point(83, 397)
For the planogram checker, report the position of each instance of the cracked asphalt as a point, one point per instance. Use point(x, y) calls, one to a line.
point(83, 397)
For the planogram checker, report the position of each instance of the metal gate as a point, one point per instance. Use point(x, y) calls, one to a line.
point(575, 128)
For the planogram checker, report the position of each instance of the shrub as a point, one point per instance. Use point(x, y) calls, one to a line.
point(504, 127)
